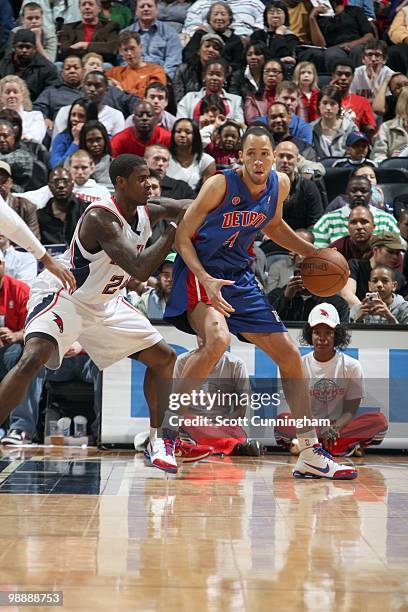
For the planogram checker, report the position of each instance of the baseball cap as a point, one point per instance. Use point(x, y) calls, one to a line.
point(355, 137)
point(6, 167)
point(324, 313)
point(24, 35)
point(170, 258)
point(388, 240)
point(215, 37)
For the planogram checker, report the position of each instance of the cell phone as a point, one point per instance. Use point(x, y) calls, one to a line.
point(371, 296)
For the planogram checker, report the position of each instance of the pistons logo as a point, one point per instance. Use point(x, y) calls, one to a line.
point(235, 200)
point(59, 322)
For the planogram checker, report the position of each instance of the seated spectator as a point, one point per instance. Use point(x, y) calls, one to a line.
point(218, 21)
point(136, 74)
point(19, 264)
point(95, 86)
point(354, 107)
point(173, 13)
point(398, 34)
point(384, 307)
point(111, 10)
point(54, 12)
point(377, 195)
point(160, 42)
point(157, 157)
point(13, 307)
point(22, 206)
point(81, 167)
point(384, 104)
point(45, 38)
point(342, 36)
point(288, 93)
point(28, 64)
point(333, 225)
point(62, 211)
point(20, 160)
point(248, 16)
point(357, 243)
point(189, 75)
point(305, 77)
point(157, 95)
point(279, 119)
point(278, 269)
point(277, 35)
point(369, 77)
point(152, 303)
point(356, 152)
point(188, 162)
point(348, 433)
point(392, 136)
point(143, 133)
point(14, 95)
point(330, 131)
point(256, 104)
point(90, 34)
point(95, 140)
point(67, 141)
point(62, 93)
point(214, 76)
point(225, 144)
point(386, 251)
point(402, 224)
point(246, 81)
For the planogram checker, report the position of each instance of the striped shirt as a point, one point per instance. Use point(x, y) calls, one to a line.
point(248, 16)
point(334, 225)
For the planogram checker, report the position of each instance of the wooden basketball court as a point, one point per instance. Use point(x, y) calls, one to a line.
point(224, 534)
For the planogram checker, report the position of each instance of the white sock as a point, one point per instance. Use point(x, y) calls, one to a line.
point(307, 439)
point(153, 434)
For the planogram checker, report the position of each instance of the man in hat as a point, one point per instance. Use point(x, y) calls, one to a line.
point(27, 63)
point(356, 152)
point(152, 302)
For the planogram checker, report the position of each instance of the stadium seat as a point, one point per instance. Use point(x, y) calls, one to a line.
point(335, 181)
point(329, 161)
point(395, 162)
point(392, 190)
point(391, 175)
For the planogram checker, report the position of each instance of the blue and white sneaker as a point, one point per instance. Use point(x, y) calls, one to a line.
point(160, 454)
point(316, 462)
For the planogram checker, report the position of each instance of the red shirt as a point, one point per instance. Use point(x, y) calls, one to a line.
point(126, 141)
point(88, 32)
point(361, 108)
point(13, 302)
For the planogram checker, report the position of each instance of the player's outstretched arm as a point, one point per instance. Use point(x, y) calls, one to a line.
point(108, 234)
point(210, 196)
point(167, 209)
point(279, 231)
point(13, 227)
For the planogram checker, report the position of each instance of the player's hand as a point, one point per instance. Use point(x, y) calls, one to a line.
point(60, 271)
point(213, 288)
point(295, 284)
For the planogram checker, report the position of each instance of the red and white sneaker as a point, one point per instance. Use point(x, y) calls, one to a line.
point(316, 462)
point(160, 454)
point(188, 453)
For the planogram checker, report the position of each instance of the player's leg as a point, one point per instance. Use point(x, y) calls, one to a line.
point(313, 462)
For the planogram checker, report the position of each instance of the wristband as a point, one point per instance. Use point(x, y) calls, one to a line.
point(173, 224)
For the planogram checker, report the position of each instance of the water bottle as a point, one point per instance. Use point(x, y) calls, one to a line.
point(80, 423)
point(64, 426)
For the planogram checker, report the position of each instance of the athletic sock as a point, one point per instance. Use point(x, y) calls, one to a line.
point(307, 440)
point(153, 435)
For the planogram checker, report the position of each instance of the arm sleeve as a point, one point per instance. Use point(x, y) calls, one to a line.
point(355, 388)
point(398, 29)
point(16, 230)
point(173, 54)
point(60, 151)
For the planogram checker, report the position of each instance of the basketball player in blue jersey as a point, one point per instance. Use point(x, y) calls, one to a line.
point(106, 250)
point(214, 289)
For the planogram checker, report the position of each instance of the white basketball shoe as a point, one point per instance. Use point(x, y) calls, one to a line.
point(316, 462)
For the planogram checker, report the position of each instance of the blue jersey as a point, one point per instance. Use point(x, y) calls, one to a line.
point(225, 239)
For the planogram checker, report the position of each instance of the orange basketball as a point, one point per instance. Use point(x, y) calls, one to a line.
point(324, 273)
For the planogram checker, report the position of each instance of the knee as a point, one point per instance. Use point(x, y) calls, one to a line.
point(31, 362)
point(166, 358)
point(215, 346)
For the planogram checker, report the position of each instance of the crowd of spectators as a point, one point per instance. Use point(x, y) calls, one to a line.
point(175, 81)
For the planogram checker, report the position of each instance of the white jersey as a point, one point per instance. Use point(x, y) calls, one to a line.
point(98, 278)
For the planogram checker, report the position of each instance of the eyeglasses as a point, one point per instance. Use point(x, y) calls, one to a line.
point(374, 54)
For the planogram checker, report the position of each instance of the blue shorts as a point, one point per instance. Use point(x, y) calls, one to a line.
point(253, 313)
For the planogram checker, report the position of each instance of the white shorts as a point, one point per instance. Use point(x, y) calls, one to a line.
point(107, 335)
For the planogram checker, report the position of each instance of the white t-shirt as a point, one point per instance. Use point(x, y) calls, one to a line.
point(331, 382)
point(34, 127)
point(91, 191)
point(111, 118)
point(363, 86)
point(191, 175)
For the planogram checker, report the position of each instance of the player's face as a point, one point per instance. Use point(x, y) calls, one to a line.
point(257, 157)
point(323, 339)
point(137, 187)
point(360, 224)
point(81, 169)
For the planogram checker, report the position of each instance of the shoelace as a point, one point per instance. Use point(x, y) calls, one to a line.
point(168, 445)
point(319, 450)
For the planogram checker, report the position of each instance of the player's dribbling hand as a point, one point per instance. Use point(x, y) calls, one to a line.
point(213, 288)
point(60, 271)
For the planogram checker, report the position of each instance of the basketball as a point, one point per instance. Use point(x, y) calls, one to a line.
point(325, 273)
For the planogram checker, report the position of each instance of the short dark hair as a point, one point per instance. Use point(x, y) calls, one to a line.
point(257, 130)
point(127, 35)
point(276, 5)
point(123, 166)
point(212, 101)
point(157, 85)
point(354, 178)
point(216, 60)
point(330, 91)
point(344, 62)
point(260, 48)
point(99, 74)
point(377, 45)
point(342, 336)
point(383, 267)
point(155, 174)
point(12, 116)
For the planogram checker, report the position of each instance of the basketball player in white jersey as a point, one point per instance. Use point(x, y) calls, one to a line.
point(13, 227)
point(106, 250)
